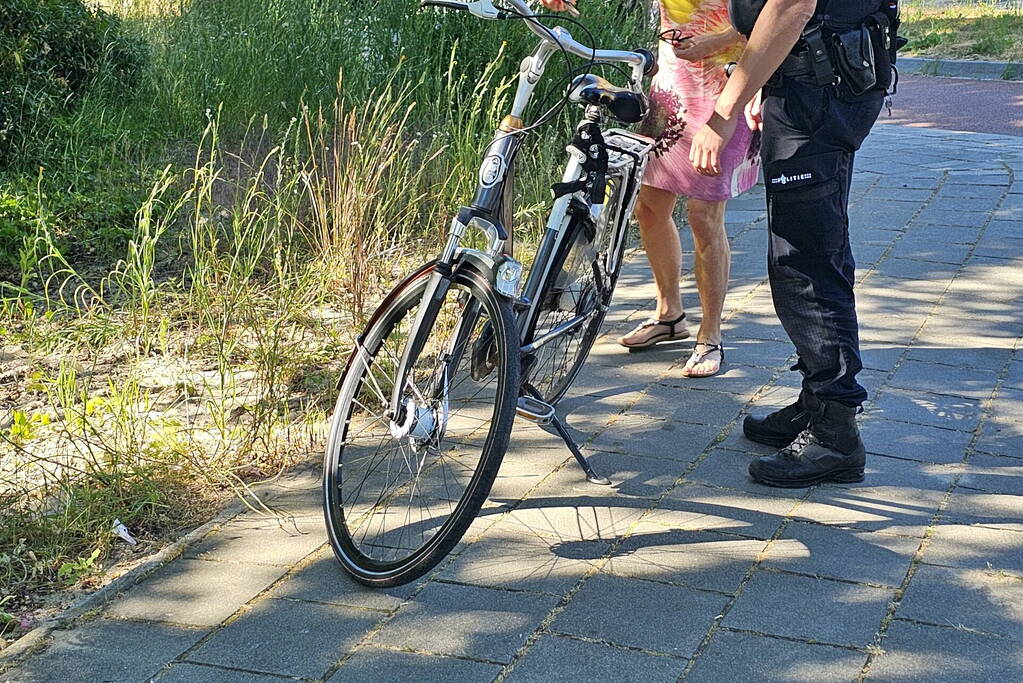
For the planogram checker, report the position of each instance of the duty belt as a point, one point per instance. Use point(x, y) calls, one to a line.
point(812, 61)
point(796, 64)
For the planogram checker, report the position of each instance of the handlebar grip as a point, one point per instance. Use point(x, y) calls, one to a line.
point(651, 61)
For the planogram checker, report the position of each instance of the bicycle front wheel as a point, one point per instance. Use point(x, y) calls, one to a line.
point(400, 489)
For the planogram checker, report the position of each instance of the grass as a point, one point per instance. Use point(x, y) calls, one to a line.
point(185, 264)
point(965, 30)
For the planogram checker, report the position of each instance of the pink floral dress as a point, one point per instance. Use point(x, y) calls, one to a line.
point(682, 98)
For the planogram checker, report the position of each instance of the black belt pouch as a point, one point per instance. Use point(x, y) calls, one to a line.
point(883, 42)
point(854, 59)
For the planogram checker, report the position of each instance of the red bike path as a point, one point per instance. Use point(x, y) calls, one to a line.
point(958, 104)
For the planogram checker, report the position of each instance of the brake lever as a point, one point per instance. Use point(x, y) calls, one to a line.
point(442, 3)
point(483, 9)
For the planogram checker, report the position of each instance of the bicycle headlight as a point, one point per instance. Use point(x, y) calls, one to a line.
point(509, 278)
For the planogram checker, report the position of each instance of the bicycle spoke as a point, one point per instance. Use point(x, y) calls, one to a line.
point(573, 292)
point(397, 488)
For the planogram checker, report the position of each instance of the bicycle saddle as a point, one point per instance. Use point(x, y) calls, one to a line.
point(623, 104)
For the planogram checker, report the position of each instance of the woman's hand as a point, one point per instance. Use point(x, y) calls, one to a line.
point(561, 6)
point(755, 112)
point(704, 45)
point(708, 144)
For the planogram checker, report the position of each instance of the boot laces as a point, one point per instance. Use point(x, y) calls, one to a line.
point(795, 448)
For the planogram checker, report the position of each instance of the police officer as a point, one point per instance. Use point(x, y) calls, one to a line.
point(813, 120)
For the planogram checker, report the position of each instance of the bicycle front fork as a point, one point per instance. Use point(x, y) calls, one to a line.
point(503, 272)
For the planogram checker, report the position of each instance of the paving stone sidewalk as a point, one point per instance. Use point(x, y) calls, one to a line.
point(683, 569)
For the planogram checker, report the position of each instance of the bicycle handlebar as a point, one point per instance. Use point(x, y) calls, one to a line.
point(557, 35)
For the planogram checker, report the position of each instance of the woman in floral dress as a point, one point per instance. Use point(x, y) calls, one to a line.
point(697, 42)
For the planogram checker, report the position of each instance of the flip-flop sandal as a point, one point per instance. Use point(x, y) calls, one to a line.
point(700, 356)
point(673, 334)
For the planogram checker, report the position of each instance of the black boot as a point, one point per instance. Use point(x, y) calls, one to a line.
point(781, 427)
point(829, 449)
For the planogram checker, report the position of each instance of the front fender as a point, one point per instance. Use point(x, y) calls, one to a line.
point(480, 262)
point(492, 269)
point(419, 272)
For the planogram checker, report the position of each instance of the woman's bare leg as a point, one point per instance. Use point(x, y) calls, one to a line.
point(654, 208)
point(713, 261)
point(663, 249)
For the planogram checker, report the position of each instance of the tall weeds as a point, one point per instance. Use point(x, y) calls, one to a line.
point(205, 357)
point(280, 203)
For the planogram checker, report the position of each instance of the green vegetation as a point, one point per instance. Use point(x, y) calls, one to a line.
point(965, 30)
point(51, 51)
point(188, 242)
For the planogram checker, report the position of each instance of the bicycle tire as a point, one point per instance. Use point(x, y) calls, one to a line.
point(554, 384)
point(352, 505)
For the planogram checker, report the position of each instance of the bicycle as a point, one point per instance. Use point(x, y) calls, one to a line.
point(459, 348)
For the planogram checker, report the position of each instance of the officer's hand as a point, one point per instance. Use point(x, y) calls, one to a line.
point(709, 143)
point(754, 112)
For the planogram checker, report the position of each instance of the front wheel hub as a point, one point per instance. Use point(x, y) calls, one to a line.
point(421, 423)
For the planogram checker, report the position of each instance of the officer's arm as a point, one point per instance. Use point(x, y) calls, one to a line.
point(779, 26)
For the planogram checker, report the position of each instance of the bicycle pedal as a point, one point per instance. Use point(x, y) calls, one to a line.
point(534, 409)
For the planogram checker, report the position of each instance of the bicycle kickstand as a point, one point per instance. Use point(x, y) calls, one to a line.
point(591, 476)
point(532, 408)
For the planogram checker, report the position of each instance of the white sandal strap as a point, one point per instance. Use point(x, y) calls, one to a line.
point(698, 356)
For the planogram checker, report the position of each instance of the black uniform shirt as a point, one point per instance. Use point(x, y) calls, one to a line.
point(836, 14)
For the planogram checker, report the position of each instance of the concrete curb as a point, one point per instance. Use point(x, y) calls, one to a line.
point(961, 68)
point(35, 639)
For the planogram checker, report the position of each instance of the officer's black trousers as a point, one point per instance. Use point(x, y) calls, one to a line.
point(809, 139)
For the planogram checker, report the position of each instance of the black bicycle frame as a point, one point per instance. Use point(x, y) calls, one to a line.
point(551, 244)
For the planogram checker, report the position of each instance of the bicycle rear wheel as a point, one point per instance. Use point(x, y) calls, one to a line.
point(400, 491)
point(578, 286)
